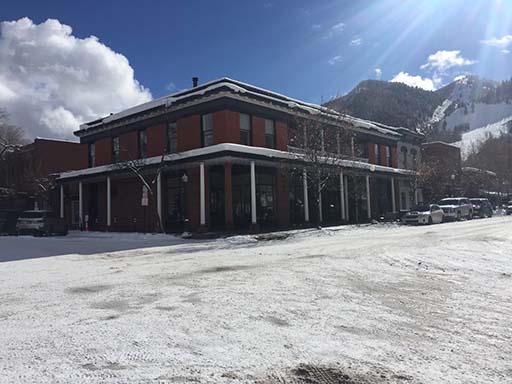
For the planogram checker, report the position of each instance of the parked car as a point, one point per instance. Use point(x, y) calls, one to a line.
point(508, 208)
point(456, 208)
point(8, 220)
point(482, 207)
point(41, 223)
point(424, 214)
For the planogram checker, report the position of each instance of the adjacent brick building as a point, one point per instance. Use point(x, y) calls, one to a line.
point(30, 171)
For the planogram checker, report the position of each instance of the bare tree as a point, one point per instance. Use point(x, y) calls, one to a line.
point(476, 182)
point(494, 154)
point(321, 146)
point(11, 136)
point(149, 181)
point(431, 178)
point(35, 179)
point(357, 193)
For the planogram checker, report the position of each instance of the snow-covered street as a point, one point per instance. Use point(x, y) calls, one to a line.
point(378, 304)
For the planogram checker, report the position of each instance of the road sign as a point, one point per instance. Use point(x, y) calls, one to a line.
point(145, 200)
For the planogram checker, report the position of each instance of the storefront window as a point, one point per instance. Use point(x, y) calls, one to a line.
point(266, 197)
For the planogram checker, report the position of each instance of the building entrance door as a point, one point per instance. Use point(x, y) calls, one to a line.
point(241, 196)
point(217, 206)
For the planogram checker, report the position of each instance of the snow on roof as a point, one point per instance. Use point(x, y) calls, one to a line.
point(59, 140)
point(238, 148)
point(478, 170)
point(441, 143)
point(238, 87)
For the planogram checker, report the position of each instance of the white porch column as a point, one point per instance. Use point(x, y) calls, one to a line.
point(202, 202)
point(109, 203)
point(320, 212)
point(342, 196)
point(253, 193)
point(393, 197)
point(80, 205)
point(415, 193)
point(347, 210)
point(368, 202)
point(306, 199)
point(61, 201)
point(159, 198)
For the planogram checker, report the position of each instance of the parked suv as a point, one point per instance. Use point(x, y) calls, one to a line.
point(509, 208)
point(40, 223)
point(482, 207)
point(455, 208)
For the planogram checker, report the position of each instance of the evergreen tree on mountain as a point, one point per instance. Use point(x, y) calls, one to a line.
point(400, 105)
point(393, 104)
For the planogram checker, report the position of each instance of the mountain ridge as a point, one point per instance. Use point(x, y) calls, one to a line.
point(467, 103)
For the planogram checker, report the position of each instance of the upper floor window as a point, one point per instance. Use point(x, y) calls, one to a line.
point(270, 134)
point(414, 155)
point(172, 138)
point(116, 149)
point(377, 153)
point(207, 130)
point(404, 157)
point(245, 129)
point(359, 148)
point(388, 156)
point(143, 144)
point(92, 155)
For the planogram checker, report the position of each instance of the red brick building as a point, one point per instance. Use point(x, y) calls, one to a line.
point(446, 161)
point(219, 156)
point(30, 171)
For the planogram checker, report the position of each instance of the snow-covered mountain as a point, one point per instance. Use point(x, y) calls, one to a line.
point(468, 103)
point(472, 102)
point(472, 140)
point(478, 115)
point(473, 109)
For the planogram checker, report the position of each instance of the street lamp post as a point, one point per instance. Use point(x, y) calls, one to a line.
point(184, 181)
point(452, 177)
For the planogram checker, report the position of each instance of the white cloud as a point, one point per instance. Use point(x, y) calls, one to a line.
point(338, 27)
point(441, 61)
point(171, 87)
point(502, 42)
point(505, 51)
point(335, 30)
point(316, 27)
point(51, 81)
point(414, 81)
point(335, 60)
point(378, 73)
point(355, 42)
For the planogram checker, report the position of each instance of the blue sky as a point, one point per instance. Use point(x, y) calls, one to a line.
point(311, 50)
